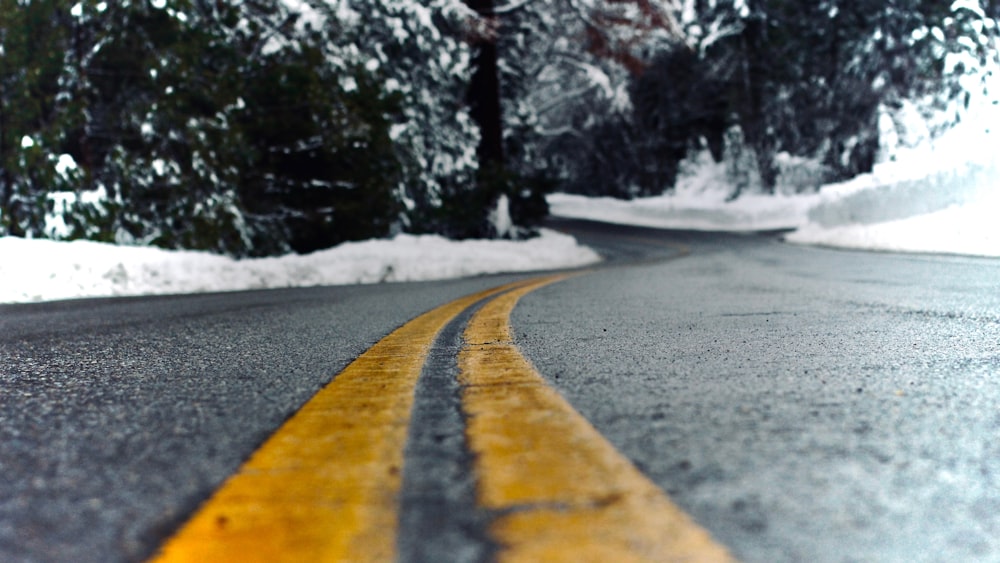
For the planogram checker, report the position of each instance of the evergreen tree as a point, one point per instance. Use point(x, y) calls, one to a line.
point(322, 160)
point(32, 40)
point(564, 73)
point(419, 52)
point(249, 128)
point(805, 79)
point(259, 127)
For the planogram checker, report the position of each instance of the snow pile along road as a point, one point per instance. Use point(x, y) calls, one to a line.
point(958, 216)
point(941, 197)
point(699, 202)
point(36, 270)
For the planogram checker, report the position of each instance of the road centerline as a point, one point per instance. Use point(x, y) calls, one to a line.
point(325, 485)
point(438, 516)
point(560, 490)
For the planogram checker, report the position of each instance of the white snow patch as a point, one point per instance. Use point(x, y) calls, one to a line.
point(37, 270)
point(500, 219)
point(971, 5)
point(969, 230)
point(396, 130)
point(939, 196)
point(65, 165)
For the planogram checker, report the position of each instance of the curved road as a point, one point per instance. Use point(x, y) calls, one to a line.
point(803, 404)
point(800, 404)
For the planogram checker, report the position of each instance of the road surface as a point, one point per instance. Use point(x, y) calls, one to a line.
point(792, 403)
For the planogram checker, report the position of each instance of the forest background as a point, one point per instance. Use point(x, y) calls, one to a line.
point(257, 128)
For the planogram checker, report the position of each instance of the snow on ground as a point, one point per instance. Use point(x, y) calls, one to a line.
point(947, 212)
point(697, 203)
point(38, 270)
point(939, 197)
point(943, 198)
point(969, 230)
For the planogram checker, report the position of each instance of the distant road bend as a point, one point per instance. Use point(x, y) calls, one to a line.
point(698, 397)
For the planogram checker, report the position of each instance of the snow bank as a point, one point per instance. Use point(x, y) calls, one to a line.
point(905, 207)
point(870, 199)
point(699, 202)
point(948, 211)
point(35, 270)
point(941, 196)
point(748, 213)
point(969, 230)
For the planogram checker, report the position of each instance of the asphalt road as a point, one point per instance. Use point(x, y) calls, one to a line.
point(119, 416)
point(801, 404)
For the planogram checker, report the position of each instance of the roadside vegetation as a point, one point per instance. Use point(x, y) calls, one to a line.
point(266, 127)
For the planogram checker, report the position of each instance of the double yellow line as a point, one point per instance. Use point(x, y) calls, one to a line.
point(325, 486)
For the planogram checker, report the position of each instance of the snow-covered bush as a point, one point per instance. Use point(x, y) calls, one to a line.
point(964, 51)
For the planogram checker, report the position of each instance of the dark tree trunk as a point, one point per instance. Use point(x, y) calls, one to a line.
point(6, 178)
point(484, 92)
point(754, 120)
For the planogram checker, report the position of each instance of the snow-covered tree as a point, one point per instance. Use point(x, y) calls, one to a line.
point(33, 36)
point(419, 51)
point(565, 70)
point(255, 127)
point(805, 79)
point(246, 127)
point(960, 75)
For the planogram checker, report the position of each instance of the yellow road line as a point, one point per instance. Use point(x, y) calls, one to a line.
point(324, 487)
point(562, 491)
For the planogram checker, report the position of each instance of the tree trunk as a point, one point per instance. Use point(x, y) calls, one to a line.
point(754, 121)
point(484, 92)
point(6, 178)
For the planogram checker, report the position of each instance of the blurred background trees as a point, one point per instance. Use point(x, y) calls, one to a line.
point(262, 127)
point(766, 83)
